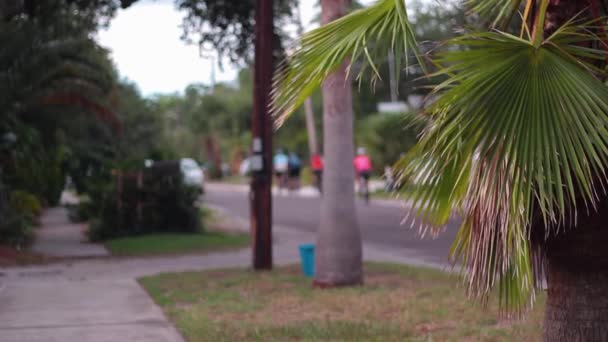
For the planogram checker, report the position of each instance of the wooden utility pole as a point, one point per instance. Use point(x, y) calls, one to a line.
point(261, 129)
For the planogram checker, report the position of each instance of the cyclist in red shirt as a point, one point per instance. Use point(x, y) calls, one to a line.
point(316, 164)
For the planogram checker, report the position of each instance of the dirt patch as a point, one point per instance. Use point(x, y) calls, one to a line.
point(10, 257)
point(426, 328)
point(387, 280)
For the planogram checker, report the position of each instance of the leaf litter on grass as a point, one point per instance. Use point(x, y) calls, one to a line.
point(396, 303)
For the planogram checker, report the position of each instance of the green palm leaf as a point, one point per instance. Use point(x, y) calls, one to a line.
point(518, 129)
point(367, 35)
point(497, 10)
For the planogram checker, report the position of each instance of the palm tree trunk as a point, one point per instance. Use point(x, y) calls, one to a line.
point(577, 261)
point(577, 281)
point(339, 255)
point(313, 147)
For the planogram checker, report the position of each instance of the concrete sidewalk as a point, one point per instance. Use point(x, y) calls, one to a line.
point(99, 299)
point(63, 302)
point(59, 237)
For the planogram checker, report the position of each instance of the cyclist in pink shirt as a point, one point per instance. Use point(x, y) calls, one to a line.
point(363, 170)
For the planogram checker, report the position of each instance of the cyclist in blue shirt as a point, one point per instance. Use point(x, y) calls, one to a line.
point(281, 165)
point(295, 167)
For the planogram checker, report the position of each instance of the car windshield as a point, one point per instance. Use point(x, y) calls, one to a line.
point(189, 165)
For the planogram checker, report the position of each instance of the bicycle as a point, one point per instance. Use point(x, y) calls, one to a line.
point(364, 186)
point(318, 181)
point(282, 181)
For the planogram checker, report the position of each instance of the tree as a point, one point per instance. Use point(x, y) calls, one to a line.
point(228, 26)
point(323, 56)
point(49, 70)
point(518, 146)
point(339, 254)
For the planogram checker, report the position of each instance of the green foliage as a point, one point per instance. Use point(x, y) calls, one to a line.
point(55, 89)
point(25, 203)
point(300, 75)
point(83, 211)
point(175, 243)
point(228, 26)
point(498, 10)
point(161, 204)
point(143, 134)
point(18, 219)
point(16, 229)
point(518, 129)
point(38, 171)
point(387, 137)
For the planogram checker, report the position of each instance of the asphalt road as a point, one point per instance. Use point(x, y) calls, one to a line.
point(380, 222)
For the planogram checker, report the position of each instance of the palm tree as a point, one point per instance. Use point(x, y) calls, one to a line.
point(518, 147)
point(339, 255)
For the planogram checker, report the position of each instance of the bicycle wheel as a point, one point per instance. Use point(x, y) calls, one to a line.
point(365, 191)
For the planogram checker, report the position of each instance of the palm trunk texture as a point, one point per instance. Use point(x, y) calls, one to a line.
point(313, 147)
point(577, 260)
point(577, 282)
point(339, 255)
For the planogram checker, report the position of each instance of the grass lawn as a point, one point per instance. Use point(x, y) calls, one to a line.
point(397, 303)
point(176, 243)
point(215, 239)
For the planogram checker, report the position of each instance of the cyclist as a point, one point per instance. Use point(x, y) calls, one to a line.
point(281, 165)
point(363, 170)
point(294, 168)
point(316, 164)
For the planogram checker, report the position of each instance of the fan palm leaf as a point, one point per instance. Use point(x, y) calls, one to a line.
point(520, 127)
point(367, 34)
point(496, 10)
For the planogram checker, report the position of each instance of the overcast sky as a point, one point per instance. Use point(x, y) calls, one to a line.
point(146, 47)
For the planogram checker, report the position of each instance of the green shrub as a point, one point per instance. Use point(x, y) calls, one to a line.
point(95, 231)
point(25, 203)
point(39, 173)
point(387, 136)
point(161, 204)
point(81, 212)
point(18, 218)
point(16, 230)
point(307, 176)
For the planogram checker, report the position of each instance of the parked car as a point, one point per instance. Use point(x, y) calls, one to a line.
point(192, 173)
point(245, 167)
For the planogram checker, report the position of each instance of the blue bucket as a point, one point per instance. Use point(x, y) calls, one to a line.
point(307, 257)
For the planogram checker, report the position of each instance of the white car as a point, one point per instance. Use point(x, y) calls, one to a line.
point(245, 167)
point(193, 174)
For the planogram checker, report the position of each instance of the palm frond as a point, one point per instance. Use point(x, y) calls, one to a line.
point(517, 129)
point(367, 35)
point(497, 11)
